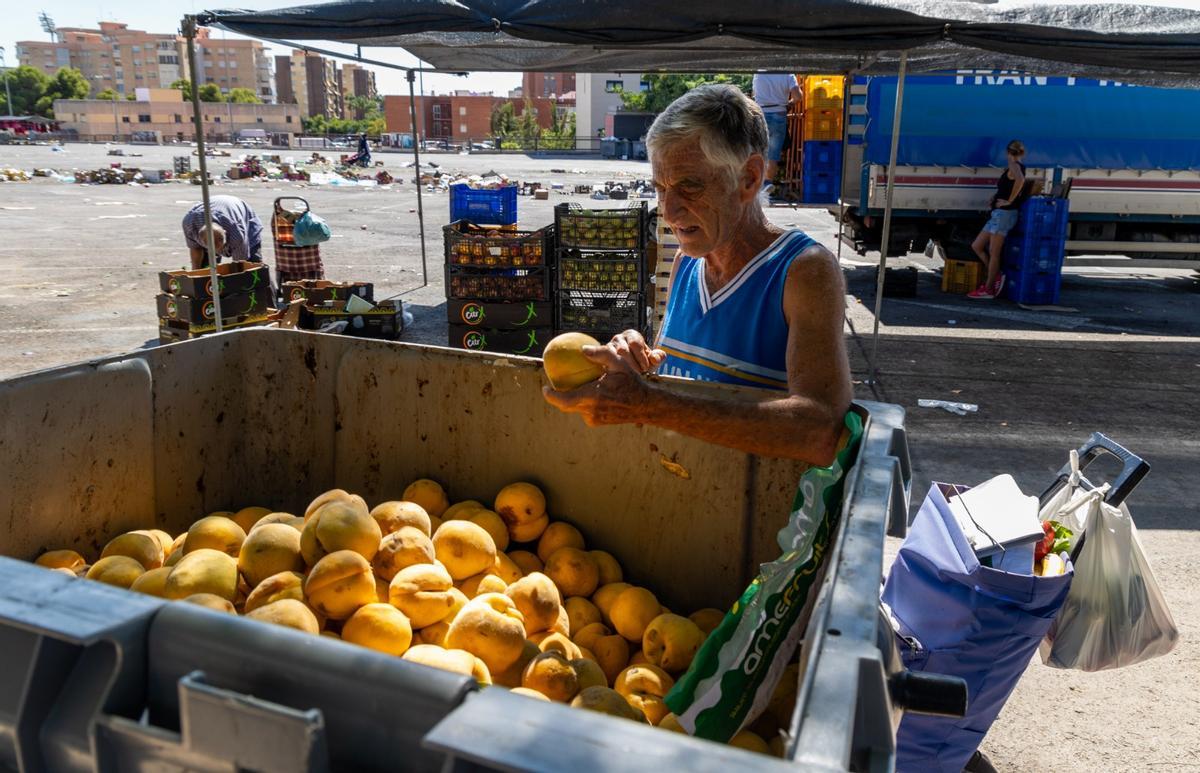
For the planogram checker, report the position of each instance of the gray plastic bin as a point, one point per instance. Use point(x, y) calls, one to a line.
point(117, 681)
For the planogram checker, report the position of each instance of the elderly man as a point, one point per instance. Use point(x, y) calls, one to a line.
point(750, 303)
point(237, 231)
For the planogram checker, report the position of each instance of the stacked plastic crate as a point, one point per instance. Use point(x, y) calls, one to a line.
point(602, 269)
point(498, 277)
point(821, 173)
point(667, 246)
point(1034, 250)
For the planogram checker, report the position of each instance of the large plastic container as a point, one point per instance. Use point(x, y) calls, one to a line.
point(483, 205)
point(97, 678)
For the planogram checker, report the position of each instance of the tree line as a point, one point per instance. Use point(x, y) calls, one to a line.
point(33, 91)
point(515, 132)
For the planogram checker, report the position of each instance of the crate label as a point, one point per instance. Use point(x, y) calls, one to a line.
point(474, 340)
point(174, 285)
point(495, 251)
point(472, 314)
point(210, 310)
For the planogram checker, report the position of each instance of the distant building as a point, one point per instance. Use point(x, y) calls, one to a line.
point(285, 87)
point(356, 81)
point(549, 85)
point(118, 58)
point(165, 111)
point(597, 95)
point(456, 117)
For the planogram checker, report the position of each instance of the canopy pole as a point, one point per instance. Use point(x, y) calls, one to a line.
point(887, 214)
point(845, 148)
point(412, 108)
point(189, 32)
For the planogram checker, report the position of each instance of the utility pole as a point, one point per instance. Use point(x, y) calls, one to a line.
point(7, 89)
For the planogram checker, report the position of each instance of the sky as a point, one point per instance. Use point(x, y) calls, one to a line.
point(163, 17)
point(21, 23)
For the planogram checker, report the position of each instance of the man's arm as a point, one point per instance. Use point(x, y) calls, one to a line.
point(806, 424)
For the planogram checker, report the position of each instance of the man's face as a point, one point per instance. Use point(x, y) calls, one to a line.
point(703, 207)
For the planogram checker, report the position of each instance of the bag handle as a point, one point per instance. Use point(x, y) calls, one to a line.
point(278, 201)
point(1133, 469)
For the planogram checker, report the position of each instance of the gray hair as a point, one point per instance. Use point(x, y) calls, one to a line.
point(218, 234)
point(727, 126)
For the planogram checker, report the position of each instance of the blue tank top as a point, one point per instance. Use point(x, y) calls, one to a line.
point(737, 335)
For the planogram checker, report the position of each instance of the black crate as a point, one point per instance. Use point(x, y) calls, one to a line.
point(496, 315)
point(603, 271)
point(621, 228)
point(467, 244)
point(529, 342)
point(497, 284)
point(600, 314)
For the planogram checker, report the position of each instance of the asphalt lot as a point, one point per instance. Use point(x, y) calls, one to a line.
point(1121, 355)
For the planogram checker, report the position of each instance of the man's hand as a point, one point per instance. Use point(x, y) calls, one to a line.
point(632, 348)
point(621, 394)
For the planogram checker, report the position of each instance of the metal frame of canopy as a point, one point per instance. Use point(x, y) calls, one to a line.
point(1176, 52)
point(189, 28)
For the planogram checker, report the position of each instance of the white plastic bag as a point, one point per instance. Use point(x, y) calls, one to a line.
point(1115, 614)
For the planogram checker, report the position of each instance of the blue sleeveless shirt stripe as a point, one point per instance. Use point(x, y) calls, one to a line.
point(737, 335)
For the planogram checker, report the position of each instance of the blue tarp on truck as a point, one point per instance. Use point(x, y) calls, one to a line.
point(967, 120)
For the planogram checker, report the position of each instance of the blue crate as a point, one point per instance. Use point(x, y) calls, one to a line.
point(492, 207)
point(822, 156)
point(821, 187)
point(1032, 288)
point(1043, 216)
point(1032, 253)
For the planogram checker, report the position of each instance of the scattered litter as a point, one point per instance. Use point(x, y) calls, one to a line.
point(962, 409)
point(114, 217)
point(14, 175)
point(15, 209)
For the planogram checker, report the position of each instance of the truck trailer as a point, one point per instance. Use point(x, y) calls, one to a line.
point(1127, 157)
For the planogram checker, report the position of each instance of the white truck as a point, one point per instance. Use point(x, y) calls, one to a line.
point(1127, 157)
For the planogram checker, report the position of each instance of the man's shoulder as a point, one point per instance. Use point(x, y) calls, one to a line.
point(814, 269)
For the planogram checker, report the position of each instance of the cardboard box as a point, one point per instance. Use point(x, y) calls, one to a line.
point(318, 291)
point(385, 321)
point(530, 342)
point(188, 309)
point(172, 330)
point(237, 276)
point(500, 316)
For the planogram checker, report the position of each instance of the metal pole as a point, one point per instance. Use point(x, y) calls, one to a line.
point(412, 108)
point(7, 89)
point(189, 32)
point(845, 153)
point(887, 213)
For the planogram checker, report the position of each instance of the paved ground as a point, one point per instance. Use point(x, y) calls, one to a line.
point(81, 267)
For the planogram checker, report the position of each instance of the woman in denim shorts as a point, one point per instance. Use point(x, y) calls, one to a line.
point(1005, 203)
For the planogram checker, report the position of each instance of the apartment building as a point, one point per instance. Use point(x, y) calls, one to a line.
point(456, 117)
point(123, 59)
point(355, 81)
point(597, 95)
point(164, 110)
point(316, 85)
point(550, 85)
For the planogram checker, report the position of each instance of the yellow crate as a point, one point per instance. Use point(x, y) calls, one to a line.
point(961, 276)
point(822, 125)
point(824, 87)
